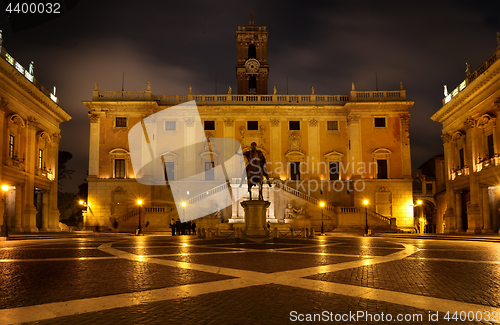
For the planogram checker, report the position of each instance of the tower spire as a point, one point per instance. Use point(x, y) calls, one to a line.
point(251, 22)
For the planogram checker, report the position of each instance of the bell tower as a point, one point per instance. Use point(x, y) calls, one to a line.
point(252, 69)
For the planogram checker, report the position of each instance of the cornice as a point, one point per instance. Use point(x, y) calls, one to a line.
point(34, 93)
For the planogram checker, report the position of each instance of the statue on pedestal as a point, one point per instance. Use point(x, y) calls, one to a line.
point(256, 170)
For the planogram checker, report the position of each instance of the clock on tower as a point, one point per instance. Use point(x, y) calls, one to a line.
point(252, 69)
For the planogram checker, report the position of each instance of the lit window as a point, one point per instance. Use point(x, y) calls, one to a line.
point(169, 170)
point(252, 125)
point(380, 122)
point(169, 125)
point(121, 122)
point(11, 146)
point(40, 158)
point(334, 171)
point(119, 168)
point(294, 125)
point(209, 171)
point(209, 125)
point(295, 170)
point(332, 125)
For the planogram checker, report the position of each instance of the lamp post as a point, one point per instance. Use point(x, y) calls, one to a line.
point(4, 232)
point(84, 212)
point(322, 205)
point(139, 202)
point(183, 211)
point(365, 202)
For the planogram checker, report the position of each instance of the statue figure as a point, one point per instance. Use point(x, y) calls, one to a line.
point(32, 66)
point(274, 90)
point(256, 169)
point(190, 90)
point(1, 38)
point(467, 69)
point(312, 90)
point(292, 213)
point(445, 91)
point(229, 90)
point(148, 87)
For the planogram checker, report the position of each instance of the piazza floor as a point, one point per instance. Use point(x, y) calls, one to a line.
point(186, 280)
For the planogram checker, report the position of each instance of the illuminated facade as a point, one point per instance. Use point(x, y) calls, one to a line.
point(340, 149)
point(29, 143)
point(471, 152)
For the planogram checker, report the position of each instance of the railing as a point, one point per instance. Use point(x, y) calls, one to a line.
point(130, 214)
point(207, 193)
point(7, 57)
point(470, 78)
point(135, 212)
point(303, 196)
point(254, 99)
point(371, 213)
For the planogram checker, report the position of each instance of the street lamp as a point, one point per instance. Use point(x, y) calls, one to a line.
point(365, 202)
point(322, 205)
point(139, 202)
point(4, 232)
point(84, 212)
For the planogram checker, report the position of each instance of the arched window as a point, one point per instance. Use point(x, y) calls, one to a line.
point(252, 52)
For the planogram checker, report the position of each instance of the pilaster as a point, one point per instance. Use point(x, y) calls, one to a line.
point(95, 126)
point(313, 148)
point(486, 213)
point(405, 145)
point(275, 150)
point(29, 207)
point(355, 154)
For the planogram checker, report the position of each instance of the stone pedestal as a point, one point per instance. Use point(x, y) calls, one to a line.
point(255, 217)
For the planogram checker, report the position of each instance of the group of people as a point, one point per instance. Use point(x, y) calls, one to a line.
point(182, 228)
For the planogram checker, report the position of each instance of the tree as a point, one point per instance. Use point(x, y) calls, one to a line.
point(64, 172)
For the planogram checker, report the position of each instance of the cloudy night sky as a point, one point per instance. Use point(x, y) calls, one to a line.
point(325, 44)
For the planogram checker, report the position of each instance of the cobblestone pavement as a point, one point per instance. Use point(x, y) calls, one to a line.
point(185, 280)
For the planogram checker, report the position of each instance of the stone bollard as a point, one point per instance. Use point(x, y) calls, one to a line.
point(237, 233)
point(304, 230)
point(217, 232)
point(311, 233)
point(209, 233)
point(291, 231)
point(276, 233)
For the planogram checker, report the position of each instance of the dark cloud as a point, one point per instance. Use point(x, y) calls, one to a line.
point(325, 44)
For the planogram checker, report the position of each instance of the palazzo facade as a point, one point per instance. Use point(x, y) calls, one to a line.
point(340, 149)
point(29, 143)
point(470, 136)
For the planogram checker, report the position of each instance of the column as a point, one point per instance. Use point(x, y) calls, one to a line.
point(486, 209)
point(29, 188)
point(449, 216)
point(45, 210)
point(18, 218)
point(275, 149)
point(313, 149)
point(53, 220)
point(94, 145)
point(355, 154)
point(474, 218)
point(190, 161)
point(458, 212)
point(3, 141)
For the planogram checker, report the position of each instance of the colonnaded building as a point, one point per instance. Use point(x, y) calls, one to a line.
point(340, 149)
point(471, 153)
point(29, 144)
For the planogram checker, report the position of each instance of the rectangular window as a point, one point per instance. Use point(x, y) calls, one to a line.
point(169, 170)
point(295, 170)
point(381, 169)
point(332, 125)
point(169, 125)
point(209, 171)
point(294, 125)
point(428, 187)
point(11, 146)
point(209, 125)
point(380, 122)
point(40, 158)
point(121, 122)
point(461, 157)
point(491, 148)
point(252, 125)
point(334, 171)
point(119, 168)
